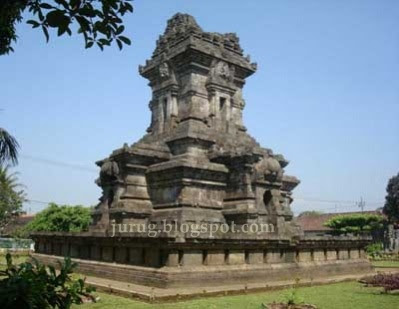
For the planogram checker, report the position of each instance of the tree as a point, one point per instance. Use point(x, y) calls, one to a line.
point(8, 148)
point(355, 223)
point(391, 207)
point(98, 21)
point(62, 218)
point(11, 196)
point(311, 213)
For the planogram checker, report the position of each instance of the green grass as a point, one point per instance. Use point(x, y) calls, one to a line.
point(17, 259)
point(389, 264)
point(334, 296)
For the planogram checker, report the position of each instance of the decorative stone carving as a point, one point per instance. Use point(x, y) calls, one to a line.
point(164, 70)
point(109, 172)
point(223, 70)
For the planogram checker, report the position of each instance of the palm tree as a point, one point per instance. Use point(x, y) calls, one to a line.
point(8, 148)
point(8, 180)
point(11, 196)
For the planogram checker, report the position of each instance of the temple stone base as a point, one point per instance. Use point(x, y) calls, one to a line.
point(200, 276)
point(166, 263)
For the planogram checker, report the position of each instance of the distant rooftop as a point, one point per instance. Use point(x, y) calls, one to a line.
point(16, 223)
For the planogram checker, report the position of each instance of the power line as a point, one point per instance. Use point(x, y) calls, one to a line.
point(37, 201)
point(60, 163)
point(312, 199)
point(79, 167)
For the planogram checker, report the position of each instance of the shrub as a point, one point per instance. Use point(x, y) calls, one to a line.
point(35, 286)
point(59, 218)
point(355, 223)
point(389, 282)
point(375, 250)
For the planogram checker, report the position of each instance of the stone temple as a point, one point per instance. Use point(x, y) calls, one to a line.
point(198, 166)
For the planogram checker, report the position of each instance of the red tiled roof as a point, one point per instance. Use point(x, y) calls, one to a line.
point(16, 223)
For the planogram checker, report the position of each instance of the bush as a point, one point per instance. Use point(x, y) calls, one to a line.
point(35, 286)
point(389, 282)
point(355, 223)
point(58, 218)
point(375, 250)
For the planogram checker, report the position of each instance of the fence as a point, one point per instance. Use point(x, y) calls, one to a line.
point(15, 244)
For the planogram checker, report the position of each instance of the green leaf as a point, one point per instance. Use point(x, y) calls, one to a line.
point(87, 12)
point(83, 22)
point(129, 7)
point(56, 18)
point(41, 16)
point(119, 44)
point(46, 6)
point(100, 45)
point(119, 30)
point(74, 3)
point(104, 42)
point(125, 40)
point(61, 30)
point(64, 3)
point(34, 23)
point(101, 27)
point(45, 31)
point(89, 44)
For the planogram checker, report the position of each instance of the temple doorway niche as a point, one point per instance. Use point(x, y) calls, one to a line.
point(267, 198)
point(110, 198)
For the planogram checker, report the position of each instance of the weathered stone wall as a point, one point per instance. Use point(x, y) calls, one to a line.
point(159, 252)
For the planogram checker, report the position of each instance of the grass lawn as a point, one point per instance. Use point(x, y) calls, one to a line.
point(16, 259)
point(389, 264)
point(334, 296)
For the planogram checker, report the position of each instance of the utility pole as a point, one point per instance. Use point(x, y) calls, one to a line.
point(361, 204)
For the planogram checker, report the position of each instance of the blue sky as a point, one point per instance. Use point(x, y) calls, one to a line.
point(326, 95)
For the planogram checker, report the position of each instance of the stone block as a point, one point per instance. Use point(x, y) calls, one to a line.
point(172, 258)
point(215, 257)
point(274, 256)
point(136, 256)
point(354, 254)
point(95, 252)
point(48, 248)
point(42, 247)
point(255, 257)
point(121, 255)
point(65, 249)
point(319, 255)
point(236, 257)
point(152, 257)
point(84, 252)
point(331, 255)
point(192, 258)
point(343, 254)
point(74, 251)
point(57, 249)
point(305, 256)
point(289, 256)
point(107, 254)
